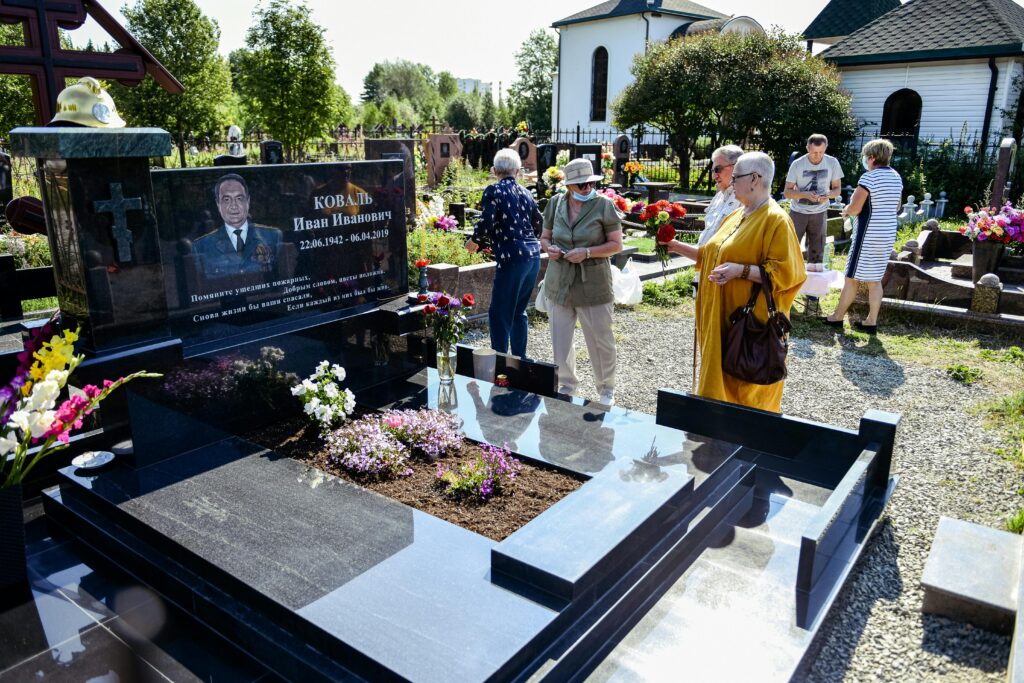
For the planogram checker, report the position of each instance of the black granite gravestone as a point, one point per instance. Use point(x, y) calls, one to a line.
point(230, 160)
point(620, 152)
point(6, 181)
point(547, 156)
point(271, 152)
point(591, 153)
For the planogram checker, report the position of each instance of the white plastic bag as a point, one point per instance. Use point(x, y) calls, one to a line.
point(626, 287)
point(541, 302)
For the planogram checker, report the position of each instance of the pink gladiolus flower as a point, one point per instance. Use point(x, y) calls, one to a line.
point(91, 390)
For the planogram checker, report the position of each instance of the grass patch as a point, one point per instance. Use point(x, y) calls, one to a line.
point(1015, 522)
point(964, 373)
point(645, 245)
point(44, 304)
point(672, 292)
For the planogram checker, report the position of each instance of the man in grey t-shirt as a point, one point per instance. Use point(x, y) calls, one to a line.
point(813, 180)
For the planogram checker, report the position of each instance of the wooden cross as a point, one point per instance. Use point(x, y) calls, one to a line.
point(118, 206)
point(48, 65)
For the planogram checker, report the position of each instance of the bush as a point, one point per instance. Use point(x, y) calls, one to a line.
point(1015, 523)
point(439, 247)
point(29, 251)
point(672, 291)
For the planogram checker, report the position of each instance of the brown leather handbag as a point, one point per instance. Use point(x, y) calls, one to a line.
point(755, 352)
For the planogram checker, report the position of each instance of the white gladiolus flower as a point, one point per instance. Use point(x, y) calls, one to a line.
point(58, 376)
point(44, 395)
point(19, 418)
point(7, 445)
point(40, 421)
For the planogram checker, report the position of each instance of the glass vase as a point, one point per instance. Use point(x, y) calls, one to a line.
point(446, 359)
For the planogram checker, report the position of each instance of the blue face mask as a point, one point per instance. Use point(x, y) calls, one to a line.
point(584, 197)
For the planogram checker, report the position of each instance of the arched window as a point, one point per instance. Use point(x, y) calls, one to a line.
point(599, 85)
point(901, 116)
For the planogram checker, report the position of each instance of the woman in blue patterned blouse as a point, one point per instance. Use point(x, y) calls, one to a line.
point(510, 222)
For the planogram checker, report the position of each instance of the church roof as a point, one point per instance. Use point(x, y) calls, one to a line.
point(923, 30)
point(843, 17)
point(621, 8)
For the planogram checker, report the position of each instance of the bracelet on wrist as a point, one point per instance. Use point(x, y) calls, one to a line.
point(746, 272)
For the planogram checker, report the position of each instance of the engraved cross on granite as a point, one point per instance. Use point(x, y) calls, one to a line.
point(119, 206)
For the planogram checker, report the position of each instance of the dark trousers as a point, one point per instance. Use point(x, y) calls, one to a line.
point(814, 224)
point(513, 284)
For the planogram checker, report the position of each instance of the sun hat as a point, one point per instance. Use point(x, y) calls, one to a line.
point(580, 171)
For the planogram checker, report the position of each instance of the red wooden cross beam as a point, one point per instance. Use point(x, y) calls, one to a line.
point(48, 65)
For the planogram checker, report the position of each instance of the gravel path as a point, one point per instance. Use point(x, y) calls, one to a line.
point(945, 462)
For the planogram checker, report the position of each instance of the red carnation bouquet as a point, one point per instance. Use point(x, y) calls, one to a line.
point(657, 218)
point(446, 314)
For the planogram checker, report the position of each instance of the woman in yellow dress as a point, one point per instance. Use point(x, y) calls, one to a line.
point(758, 234)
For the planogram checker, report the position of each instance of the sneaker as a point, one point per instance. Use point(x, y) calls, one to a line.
point(607, 399)
point(566, 391)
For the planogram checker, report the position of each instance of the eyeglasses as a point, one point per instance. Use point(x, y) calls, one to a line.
point(718, 169)
point(742, 175)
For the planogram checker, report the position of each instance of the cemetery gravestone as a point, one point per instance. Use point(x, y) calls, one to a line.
point(271, 152)
point(591, 153)
point(442, 149)
point(527, 152)
point(6, 181)
point(547, 156)
point(230, 160)
point(397, 148)
point(620, 153)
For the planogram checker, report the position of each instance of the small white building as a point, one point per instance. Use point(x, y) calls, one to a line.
point(471, 85)
point(929, 69)
point(596, 49)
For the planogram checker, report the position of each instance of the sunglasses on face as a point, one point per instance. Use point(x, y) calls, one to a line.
point(718, 169)
point(585, 186)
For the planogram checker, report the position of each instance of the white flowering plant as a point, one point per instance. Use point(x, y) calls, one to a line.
point(325, 400)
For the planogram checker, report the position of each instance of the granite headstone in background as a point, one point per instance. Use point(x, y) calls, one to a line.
point(527, 152)
point(405, 148)
point(620, 153)
point(441, 150)
point(6, 181)
point(591, 153)
point(230, 160)
point(271, 152)
point(547, 156)
point(102, 229)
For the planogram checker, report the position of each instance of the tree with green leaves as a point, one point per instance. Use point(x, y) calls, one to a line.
point(530, 95)
point(463, 112)
point(447, 86)
point(185, 41)
point(756, 89)
point(286, 74)
point(488, 112)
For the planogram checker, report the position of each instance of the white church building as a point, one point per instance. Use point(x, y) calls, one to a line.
point(596, 49)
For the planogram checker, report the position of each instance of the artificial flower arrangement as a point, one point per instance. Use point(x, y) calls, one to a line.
point(657, 218)
point(554, 179)
point(1005, 225)
point(28, 417)
point(446, 316)
point(324, 398)
point(623, 204)
point(445, 223)
point(633, 167)
point(522, 128)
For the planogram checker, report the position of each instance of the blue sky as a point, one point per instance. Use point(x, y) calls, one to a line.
point(470, 38)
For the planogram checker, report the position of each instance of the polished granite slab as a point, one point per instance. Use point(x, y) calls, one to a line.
point(81, 618)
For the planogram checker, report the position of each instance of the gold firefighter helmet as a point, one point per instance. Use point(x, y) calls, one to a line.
point(86, 103)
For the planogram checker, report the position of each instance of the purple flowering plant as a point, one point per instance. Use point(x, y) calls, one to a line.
point(490, 473)
point(381, 445)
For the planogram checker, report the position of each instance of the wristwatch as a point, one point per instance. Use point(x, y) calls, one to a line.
point(588, 252)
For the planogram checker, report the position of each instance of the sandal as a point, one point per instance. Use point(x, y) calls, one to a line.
point(870, 329)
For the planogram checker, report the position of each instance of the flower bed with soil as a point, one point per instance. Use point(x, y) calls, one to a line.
point(534, 490)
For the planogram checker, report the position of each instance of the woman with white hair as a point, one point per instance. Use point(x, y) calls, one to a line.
point(759, 236)
point(510, 222)
point(723, 160)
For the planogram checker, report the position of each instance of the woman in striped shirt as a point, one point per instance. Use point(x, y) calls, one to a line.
point(875, 202)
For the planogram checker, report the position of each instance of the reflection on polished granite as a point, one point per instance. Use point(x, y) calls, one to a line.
point(85, 620)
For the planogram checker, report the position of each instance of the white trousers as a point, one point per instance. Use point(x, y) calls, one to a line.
point(596, 322)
